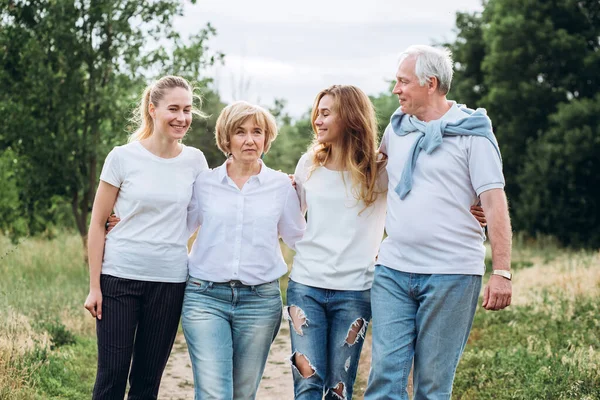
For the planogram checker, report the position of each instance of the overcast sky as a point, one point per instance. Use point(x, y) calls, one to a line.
point(292, 50)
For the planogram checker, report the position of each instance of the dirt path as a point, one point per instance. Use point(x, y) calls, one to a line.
point(276, 384)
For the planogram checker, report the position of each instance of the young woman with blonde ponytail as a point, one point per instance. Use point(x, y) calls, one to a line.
point(139, 269)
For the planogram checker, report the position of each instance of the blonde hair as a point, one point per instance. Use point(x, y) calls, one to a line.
point(154, 93)
point(234, 115)
point(358, 141)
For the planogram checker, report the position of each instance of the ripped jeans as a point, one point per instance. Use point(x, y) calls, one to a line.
point(327, 329)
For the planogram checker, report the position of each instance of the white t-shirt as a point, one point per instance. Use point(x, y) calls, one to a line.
point(340, 245)
point(432, 230)
point(150, 241)
point(239, 237)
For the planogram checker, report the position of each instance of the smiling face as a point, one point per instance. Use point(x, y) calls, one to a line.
point(413, 97)
point(247, 142)
point(327, 124)
point(173, 114)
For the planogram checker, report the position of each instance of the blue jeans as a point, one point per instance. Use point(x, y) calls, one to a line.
point(422, 317)
point(327, 329)
point(229, 328)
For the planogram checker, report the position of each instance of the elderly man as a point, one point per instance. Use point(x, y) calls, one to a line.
point(443, 158)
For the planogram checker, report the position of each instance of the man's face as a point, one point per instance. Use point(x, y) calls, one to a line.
point(412, 96)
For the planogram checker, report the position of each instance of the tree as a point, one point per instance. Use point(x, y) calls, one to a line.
point(12, 222)
point(385, 104)
point(560, 182)
point(202, 132)
point(292, 141)
point(521, 60)
point(70, 72)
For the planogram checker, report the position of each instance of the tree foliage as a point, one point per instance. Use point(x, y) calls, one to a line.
point(292, 141)
point(560, 182)
point(533, 64)
point(70, 72)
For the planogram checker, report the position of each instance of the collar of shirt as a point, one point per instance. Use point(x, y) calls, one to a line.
point(260, 177)
point(454, 113)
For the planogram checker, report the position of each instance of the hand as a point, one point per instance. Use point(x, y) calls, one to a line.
point(293, 179)
point(497, 293)
point(111, 222)
point(93, 303)
point(477, 212)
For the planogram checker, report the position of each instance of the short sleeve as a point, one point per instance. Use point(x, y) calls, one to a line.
point(194, 210)
point(485, 165)
point(111, 170)
point(300, 176)
point(291, 225)
point(383, 147)
point(202, 163)
point(381, 184)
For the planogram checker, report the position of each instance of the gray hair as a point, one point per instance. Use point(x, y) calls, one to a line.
point(431, 62)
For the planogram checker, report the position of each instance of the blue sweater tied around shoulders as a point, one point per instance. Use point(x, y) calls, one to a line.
point(430, 137)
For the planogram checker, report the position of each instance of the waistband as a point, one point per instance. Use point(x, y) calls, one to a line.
point(232, 283)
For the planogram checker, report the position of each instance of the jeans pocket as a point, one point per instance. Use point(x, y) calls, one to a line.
point(195, 285)
point(268, 290)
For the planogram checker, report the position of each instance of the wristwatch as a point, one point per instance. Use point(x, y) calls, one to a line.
point(502, 272)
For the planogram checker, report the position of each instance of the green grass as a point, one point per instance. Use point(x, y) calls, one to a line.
point(47, 345)
point(533, 352)
point(546, 346)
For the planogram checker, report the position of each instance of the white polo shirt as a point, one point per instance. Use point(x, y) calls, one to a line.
point(432, 230)
point(150, 241)
point(239, 234)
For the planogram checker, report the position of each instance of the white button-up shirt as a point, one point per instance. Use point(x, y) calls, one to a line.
point(239, 234)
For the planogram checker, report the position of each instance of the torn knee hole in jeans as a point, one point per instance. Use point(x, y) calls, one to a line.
point(339, 391)
point(296, 316)
point(302, 365)
point(357, 330)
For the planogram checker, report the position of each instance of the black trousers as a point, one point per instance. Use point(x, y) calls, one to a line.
point(135, 336)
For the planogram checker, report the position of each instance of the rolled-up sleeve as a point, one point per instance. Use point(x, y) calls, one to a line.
point(291, 224)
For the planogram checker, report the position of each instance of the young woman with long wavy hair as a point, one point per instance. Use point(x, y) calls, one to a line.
point(341, 182)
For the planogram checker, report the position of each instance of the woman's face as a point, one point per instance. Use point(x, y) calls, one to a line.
point(173, 115)
point(329, 127)
point(247, 142)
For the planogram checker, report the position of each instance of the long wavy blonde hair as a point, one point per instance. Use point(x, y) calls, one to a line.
point(358, 141)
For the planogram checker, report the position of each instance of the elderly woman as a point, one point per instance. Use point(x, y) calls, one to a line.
point(232, 305)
